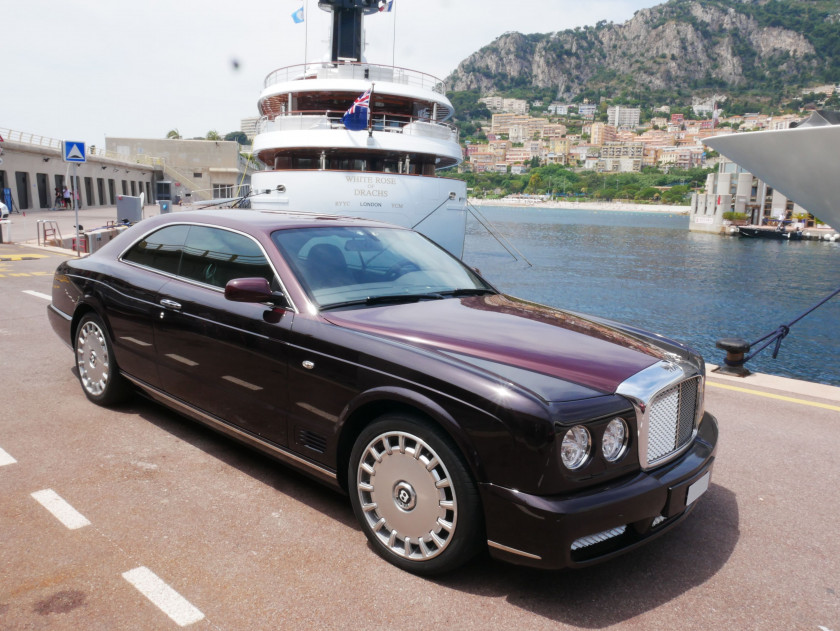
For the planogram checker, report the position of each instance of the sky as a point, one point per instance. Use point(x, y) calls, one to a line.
point(86, 69)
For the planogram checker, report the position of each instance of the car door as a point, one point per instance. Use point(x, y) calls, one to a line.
point(131, 298)
point(226, 358)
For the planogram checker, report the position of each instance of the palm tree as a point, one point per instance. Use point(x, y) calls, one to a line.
point(213, 135)
point(173, 134)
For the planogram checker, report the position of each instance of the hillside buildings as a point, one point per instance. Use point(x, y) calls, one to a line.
point(622, 144)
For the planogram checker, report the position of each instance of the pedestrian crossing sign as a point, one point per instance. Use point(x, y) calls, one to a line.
point(73, 151)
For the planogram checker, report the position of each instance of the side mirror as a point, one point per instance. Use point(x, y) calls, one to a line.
point(255, 290)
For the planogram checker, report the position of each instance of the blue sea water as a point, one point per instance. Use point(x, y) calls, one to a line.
point(649, 270)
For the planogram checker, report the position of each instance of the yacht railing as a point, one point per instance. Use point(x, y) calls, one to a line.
point(391, 123)
point(354, 70)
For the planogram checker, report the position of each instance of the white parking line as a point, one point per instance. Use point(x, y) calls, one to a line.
point(60, 509)
point(163, 596)
point(37, 294)
point(5, 458)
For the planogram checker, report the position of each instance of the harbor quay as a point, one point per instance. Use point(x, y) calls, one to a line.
point(28, 227)
point(249, 544)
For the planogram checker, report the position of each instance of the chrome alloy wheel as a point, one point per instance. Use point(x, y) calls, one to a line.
point(92, 358)
point(407, 496)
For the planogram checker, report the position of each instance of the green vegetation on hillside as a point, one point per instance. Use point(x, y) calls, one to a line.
point(673, 187)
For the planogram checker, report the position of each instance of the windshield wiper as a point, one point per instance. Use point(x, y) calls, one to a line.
point(383, 300)
point(401, 298)
point(455, 293)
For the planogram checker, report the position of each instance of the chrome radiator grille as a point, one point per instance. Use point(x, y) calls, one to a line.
point(671, 419)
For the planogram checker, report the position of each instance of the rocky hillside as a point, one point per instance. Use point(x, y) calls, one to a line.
point(762, 48)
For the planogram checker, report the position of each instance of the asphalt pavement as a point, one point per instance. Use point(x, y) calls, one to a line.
point(136, 518)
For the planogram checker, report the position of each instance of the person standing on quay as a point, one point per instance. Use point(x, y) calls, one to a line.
point(66, 194)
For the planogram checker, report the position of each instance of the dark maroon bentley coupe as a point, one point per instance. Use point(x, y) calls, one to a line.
point(454, 416)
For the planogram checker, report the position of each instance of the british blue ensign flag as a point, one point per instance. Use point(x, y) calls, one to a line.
point(356, 118)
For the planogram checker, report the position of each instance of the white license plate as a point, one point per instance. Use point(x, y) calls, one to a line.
point(698, 488)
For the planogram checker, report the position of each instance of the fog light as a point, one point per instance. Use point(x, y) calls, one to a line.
point(575, 448)
point(615, 440)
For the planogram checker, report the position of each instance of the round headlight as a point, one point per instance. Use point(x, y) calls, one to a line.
point(615, 440)
point(575, 448)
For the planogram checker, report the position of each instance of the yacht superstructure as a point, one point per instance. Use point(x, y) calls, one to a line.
point(384, 171)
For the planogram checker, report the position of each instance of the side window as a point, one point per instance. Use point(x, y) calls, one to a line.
point(214, 256)
point(160, 250)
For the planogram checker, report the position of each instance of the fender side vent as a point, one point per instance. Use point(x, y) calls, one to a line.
point(312, 441)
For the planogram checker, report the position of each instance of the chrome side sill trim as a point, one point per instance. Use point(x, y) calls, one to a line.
point(233, 431)
point(499, 546)
point(59, 312)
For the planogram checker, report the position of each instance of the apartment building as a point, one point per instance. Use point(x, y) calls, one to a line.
point(518, 155)
point(635, 150)
point(558, 109)
point(554, 130)
point(587, 110)
point(619, 165)
point(623, 117)
point(500, 104)
point(602, 133)
point(482, 161)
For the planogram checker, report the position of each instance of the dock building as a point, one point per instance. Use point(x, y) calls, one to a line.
point(32, 168)
point(732, 189)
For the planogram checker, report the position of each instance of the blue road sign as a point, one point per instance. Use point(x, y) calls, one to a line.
point(73, 151)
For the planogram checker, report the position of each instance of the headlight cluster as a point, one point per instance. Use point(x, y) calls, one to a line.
point(577, 444)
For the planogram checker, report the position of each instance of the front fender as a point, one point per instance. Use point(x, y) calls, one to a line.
point(455, 419)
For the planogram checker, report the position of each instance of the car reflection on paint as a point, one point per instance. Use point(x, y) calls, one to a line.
point(455, 417)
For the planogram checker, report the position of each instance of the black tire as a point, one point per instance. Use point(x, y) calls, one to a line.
point(99, 374)
point(423, 514)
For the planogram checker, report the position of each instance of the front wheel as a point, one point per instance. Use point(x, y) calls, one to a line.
point(413, 496)
point(98, 373)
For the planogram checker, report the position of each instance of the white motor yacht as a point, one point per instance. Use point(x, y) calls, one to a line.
point(385, 170)
point(800, 162)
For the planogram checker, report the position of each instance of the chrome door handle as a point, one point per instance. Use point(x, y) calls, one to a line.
point(170, 304)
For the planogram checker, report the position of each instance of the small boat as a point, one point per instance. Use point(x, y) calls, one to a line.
point(754, 232)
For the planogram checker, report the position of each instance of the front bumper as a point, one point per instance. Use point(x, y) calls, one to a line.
point(602, 522)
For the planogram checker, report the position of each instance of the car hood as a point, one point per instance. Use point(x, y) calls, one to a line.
point(516, 333)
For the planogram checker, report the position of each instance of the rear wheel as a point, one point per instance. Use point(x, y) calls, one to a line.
point(413, 496)
point(98, 372)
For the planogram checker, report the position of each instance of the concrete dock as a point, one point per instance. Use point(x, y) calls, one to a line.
point(105, 510)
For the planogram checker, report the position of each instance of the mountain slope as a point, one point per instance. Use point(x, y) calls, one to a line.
point(759, 47)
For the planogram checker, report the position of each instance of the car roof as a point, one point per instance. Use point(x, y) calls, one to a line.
point(266, 221)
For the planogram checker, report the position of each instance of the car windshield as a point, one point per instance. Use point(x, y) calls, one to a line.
point(356, 266)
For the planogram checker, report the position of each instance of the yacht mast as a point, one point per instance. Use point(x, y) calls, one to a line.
point(347, 33)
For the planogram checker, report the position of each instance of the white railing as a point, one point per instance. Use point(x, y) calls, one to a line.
point(14, 135)
point(123, 157)
point(359, 71)
point(26, 138)
point(391, 124)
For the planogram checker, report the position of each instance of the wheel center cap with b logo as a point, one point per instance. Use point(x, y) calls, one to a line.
point(404, 496)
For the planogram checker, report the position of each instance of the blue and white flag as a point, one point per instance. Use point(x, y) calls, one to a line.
point(297, 16)
point(386, 5)
point(356, 118)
